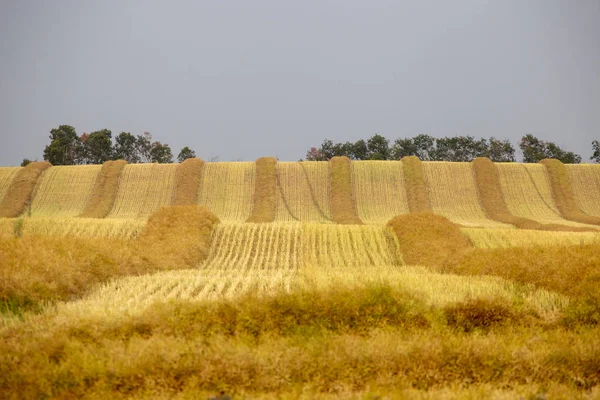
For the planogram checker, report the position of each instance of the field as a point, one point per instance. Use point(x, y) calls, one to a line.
point(336, 290)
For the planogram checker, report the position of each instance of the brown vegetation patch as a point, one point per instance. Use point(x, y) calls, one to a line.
point(416, 190)
point(265, 191)
point(39, 269)
point(563, 193)
point(104, 191)
point(343, 207)
point(21, 188)
point(187, 182)
point(490, 194)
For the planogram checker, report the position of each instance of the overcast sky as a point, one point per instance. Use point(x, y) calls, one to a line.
point(243, 79)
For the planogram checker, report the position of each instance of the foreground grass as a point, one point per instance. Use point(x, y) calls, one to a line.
point(336, 341)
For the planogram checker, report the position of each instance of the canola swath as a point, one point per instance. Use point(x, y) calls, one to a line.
point(143, 189)
point(7, 174)
point(227, 189)
point(527, 192)
point(63, 191)
point(453, 194)
point(379, 190)
point(585, 182)
point(303, 192)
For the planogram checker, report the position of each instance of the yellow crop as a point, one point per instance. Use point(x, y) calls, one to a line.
point(227, 189)
point(7, 174)
point(303, 192)
point(74, 227)
point(505, 238)
point(453, 194)
point(585, 182)
point(63, 191)
point(527, 192)
point(379, 190)
point(143, 189)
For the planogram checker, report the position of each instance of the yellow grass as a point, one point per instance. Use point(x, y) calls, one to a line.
point(507, 238)
point(303, 192)
point(585, 182)
point(74, 227)
point(563, 193)
point(187, 182)
point(416, 190)
point(265, 191)
point(526, 190)
point(227, 189)
point(18, 195)
point(63, 191)
point(453, 194)
point(143, 189)
point(379, 190)
point(104, 191)
point(343, 207)
point(7, 174)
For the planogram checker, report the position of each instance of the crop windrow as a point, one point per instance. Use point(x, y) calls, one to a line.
point(265, 191)
point(416, 190)
point(21, 188)
point(343, 208)
point(104, 191)
point(187, 182)
point(490, 194)
point(563, 193)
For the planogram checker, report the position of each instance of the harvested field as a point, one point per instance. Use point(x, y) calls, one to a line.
point(585, 182)
point(507, 238)
point(7, 174)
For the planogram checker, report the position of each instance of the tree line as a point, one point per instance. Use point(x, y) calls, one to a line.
point(68, 148)
point(457, 148)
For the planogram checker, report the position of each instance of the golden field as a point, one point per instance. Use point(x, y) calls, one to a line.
point(340, 279)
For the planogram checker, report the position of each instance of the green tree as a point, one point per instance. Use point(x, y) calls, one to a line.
point(460, 148)
point(500, 150)
point(596, 148)
point(144, 147)
point(64, 147)
point(126, 148)
point(535, 150)
point(96, 147)
point(160, 153)
point(25, 162)
point(186, 153)
point(378, 148)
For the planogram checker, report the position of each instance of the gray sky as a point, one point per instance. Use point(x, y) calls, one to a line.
point(243, 79)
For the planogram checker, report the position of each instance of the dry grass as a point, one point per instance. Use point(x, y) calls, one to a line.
point(527, 193)
point(416, 190)
point(7, 174)
point(265, 191)
point(73, 227)
point(303, 192)
point(19, 193)
point(563, 194)
point(187, 182)
point(585, 182)
point(429, 239)
point(63, 191)
point(343, 208)
point(104, 191)
point(38, 269)
point(492, 198)
point(507, 238)
point(143, 189)
point(379, 190)
point(227, 189)
point(453, 194)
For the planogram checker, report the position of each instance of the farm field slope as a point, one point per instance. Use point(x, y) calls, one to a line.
point(63, 191)
point(453, 194)
point(7, 174)
point(585, 182)
point(227, 189)
point(303, 192)
point(379, 190)
point(143, 189)
point(505, 238)
point(527, 192)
